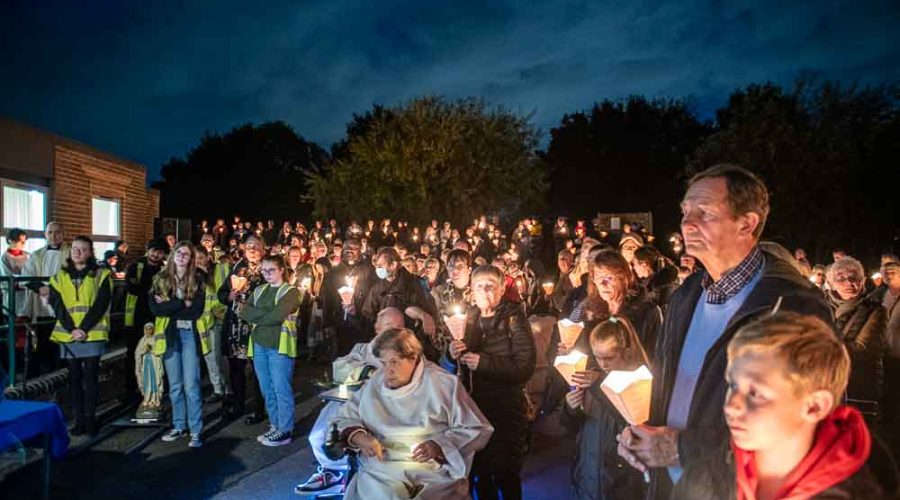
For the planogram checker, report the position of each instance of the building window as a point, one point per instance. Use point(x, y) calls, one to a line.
point(24, 207)
point(107, 227)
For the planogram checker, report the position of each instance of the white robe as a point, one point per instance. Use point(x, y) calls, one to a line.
point(433, 406)
point(346, 369)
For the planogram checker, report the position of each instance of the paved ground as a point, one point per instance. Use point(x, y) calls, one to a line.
point(231, 464)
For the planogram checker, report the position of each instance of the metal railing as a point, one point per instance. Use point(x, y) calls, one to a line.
point(8, 306)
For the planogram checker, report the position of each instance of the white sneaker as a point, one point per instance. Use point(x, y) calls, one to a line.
point(174, 435)
point(277, 438)
point(321, 481)
point(262, 437)
point(195, 441)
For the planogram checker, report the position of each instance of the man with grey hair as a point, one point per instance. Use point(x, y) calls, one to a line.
point(723, 215)
point(346, 369)
point(44, 262)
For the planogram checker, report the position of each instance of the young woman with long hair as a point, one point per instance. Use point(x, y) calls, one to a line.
point(177, 299)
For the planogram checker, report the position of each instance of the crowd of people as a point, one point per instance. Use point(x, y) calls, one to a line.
point(770, 375)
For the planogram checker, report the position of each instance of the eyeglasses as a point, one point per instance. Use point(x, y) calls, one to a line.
point(849, 278)
point(269, 270)
point(605, 280)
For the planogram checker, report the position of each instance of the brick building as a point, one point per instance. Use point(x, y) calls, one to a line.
point(45, 177)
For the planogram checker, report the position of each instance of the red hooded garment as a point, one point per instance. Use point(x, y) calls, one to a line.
point(840, 449)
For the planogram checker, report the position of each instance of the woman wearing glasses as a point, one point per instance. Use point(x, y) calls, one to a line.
point(177, 299)
point(244, 278)
point(272, 310)
point(613, 290)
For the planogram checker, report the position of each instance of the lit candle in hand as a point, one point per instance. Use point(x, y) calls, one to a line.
point(342, 391)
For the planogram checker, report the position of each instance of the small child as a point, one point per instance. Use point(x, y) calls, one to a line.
point(598, 471)
point(790, 435)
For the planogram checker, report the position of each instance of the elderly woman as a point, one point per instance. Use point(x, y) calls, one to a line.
point(414, 425)
point(862, 324)
point(495, 359)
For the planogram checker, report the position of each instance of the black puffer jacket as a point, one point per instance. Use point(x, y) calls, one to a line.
point(507, 360)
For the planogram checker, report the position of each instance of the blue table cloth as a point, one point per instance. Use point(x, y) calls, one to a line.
point(25, 420)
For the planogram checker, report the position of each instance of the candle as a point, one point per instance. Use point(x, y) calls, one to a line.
point(548, 287)
point(349, 281)
point(458, 310)
point(342, 391)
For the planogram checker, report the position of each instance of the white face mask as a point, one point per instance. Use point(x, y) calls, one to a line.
point(382, 273)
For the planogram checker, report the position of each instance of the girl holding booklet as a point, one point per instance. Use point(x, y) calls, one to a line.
point(599, 472)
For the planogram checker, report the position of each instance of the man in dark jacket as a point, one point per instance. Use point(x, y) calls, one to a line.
point(396, 287)
point(138, 280)
point(724, 212)
point(342, 321)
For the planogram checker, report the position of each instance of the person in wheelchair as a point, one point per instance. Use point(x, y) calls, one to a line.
point(347, 369)
point(413, 425)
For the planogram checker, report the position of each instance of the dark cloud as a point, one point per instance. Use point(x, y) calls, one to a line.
point(145, 80)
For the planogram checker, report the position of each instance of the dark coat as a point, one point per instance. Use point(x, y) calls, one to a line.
point(863, 329)
point(706, 430)
point(142, 314)
point(498, 385)
point(661, 286)
point(598, 472)
point(401, 293)
point(349, 329)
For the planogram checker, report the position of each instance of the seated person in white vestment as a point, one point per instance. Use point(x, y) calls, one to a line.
point(346, 369)
point(414, 425)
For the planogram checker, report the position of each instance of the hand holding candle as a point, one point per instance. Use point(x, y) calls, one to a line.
point(456, 323)
point(548, 287)
point(346, 292)
point(568, 365)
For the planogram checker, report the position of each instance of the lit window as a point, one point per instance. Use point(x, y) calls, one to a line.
point(24, 207)
point(107, 226)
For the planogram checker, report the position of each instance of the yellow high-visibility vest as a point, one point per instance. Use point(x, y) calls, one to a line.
point(78, 301)
point(131, 300)
point(162, 322)
point(287, 340)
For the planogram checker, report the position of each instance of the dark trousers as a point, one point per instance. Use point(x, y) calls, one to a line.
point(83, 382)
point(239, 386)
point(44, 359)
point(491, 475)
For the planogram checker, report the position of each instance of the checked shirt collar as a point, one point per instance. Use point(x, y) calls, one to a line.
point(733, 281)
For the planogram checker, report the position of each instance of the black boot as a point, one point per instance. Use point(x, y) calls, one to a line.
point(253, 418)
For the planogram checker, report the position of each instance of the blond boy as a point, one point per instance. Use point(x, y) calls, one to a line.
point(790, 435)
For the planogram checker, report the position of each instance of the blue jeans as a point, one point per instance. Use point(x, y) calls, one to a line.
point(275, 372)
point(183, 370)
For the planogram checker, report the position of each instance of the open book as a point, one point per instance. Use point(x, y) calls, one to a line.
point(629, 392)
point(575, 361)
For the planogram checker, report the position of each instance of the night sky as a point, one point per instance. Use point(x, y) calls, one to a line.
point(146, 83)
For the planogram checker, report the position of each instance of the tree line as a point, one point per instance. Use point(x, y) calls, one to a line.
point(828, 153)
